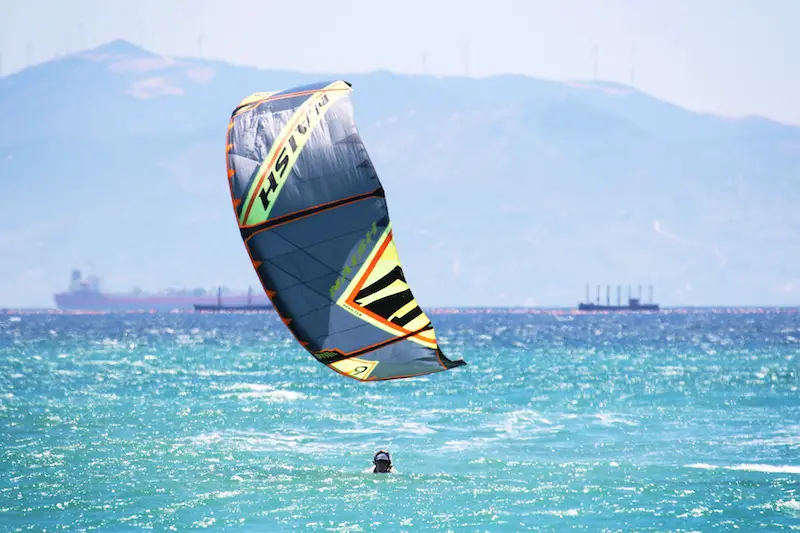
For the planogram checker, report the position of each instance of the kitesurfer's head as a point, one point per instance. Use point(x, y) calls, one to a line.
point(382, 462)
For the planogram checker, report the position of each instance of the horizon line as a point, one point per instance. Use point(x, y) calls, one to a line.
point(487, 309)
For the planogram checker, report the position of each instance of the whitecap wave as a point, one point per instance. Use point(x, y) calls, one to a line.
point(771, 469)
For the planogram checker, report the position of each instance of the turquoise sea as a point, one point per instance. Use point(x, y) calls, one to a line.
point(678, 421)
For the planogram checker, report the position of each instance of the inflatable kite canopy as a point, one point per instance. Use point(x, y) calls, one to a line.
point(312, 214)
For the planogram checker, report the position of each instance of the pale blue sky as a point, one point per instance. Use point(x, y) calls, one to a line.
point(733, 57)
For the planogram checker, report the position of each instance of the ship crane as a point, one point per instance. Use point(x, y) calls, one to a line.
point(634, 304)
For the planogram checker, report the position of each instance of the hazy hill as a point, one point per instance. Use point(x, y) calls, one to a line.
point(504, 190)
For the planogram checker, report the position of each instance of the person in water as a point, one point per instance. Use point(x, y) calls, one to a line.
point(382, 462)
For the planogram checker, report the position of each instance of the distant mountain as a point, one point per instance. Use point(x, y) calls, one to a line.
point(505, 190)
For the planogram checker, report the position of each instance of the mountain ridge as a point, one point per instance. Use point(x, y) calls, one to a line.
point(107, 147)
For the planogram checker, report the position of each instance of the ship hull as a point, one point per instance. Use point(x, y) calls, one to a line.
point(233, 308)
point(96, 301)
point(618, 308)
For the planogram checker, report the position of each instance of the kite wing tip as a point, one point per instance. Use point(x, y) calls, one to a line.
point(448, 363)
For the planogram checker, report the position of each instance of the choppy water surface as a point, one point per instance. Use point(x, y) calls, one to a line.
point(670, 422)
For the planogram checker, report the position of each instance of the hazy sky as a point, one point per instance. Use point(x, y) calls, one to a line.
point(733, 57)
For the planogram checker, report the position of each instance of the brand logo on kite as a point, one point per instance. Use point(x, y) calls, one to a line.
point(363, 245)
point(276, 167)
point(325, 356)
point(295, 141)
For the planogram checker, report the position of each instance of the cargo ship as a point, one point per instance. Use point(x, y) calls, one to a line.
point(634, 304)
point(84, 294)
